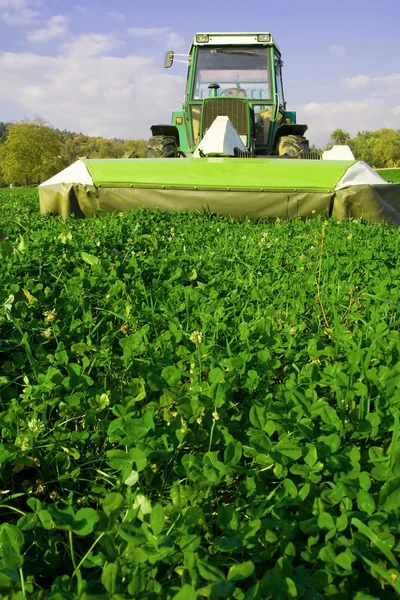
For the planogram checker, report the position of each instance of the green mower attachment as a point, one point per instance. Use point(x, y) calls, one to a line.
point(238, 187)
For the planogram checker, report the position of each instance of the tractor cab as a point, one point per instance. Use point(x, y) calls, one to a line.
point(235, 75)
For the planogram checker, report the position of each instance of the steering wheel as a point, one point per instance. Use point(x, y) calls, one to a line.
point(237, 92)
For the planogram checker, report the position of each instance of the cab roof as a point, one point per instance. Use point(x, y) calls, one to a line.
point(234, 39)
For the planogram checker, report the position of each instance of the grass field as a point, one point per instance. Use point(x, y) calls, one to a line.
point(392, 175)
point(195, 407)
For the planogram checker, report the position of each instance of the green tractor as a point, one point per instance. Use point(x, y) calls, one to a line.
point(239, 76)
point(243, 151)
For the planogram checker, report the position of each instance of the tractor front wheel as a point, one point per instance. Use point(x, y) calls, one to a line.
point(293, 145)
point(162, 146)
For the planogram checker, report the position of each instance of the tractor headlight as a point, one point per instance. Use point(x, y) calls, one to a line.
point(264, 37)
point(202, 38)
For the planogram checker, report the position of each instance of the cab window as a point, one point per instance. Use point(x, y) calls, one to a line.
point(241, 71)
point(279, 83)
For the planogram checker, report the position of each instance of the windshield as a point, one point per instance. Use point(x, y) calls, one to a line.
point(239, 71)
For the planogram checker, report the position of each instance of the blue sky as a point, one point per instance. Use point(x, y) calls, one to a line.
point(97, 66)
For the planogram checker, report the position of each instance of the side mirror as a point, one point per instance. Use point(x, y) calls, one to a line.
point(169, 59)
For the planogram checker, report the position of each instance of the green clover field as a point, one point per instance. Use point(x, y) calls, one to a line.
point(193, 407)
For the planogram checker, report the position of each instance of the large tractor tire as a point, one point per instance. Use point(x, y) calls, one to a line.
point(295, 146)
point(162, 146)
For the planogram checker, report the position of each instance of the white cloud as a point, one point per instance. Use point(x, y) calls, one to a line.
point(360, 81)
point(388, 79)
point(164, 35)
point(26, 16)
point(380, 93)
point(333, 108)
point(396, 110)
point(353, 83)
point(92, 44)
point(55, 27)
point(338, 51)
point(174, 40)
point(349, 115)
point(98, 95)
point(13, 4)
point(381, 87)
point(19, 12)
point(147, 31)
point(117, 16)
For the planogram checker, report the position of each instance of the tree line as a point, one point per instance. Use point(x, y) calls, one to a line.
point(31, 151)
point(380, 149)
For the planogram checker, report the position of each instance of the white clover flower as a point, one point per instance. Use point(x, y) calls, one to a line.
point(196, 337)
point(23, 442)
point(47, 333)
point(200, 419)
point(35, 426)
point(50, 315)
point(64, 237)
point(104, 401)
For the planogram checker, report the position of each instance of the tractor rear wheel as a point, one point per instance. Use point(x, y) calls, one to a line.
point(162, 146)
point(293, 145)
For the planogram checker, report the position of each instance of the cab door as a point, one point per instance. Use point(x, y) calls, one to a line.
point(279, 98)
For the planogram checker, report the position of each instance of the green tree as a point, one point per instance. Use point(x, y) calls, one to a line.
point(31, 152)
point(386, 148)
point(3, 131)
point(363, 146)
point(2, 182)
point(315, 149)
point(135, 148)
point(110, 149)
point(338, 137)
point(379, 148)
